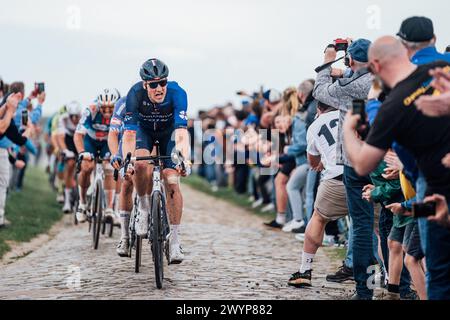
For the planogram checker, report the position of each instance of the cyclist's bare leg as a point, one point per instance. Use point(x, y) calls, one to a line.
point(84, 179)
point(117, 194)
point(110, 186)
point(174, 208)
point(69, 182)
point(142, 173)
point(70, 174)
point(126, 196)
point(174, 196)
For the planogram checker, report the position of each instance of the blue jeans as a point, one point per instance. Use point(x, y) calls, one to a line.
point(309, 194)
point(210, 170)
point(438, 261)
point(294, 188)
point(349, 257)
point(421, 189)
point(362, 216)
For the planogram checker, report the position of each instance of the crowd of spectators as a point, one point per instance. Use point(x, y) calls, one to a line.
point(19, 136)
point(361, 178)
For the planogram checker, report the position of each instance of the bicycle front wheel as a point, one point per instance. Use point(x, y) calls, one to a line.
point(157, 239)
point(98, 205)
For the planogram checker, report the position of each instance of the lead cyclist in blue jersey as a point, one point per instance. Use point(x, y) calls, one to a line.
point(90, 137)
point(156, 111)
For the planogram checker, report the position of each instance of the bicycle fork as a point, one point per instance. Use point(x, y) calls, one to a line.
point(159, 188)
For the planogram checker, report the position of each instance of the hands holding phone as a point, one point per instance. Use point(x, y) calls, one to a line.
point(441, 215)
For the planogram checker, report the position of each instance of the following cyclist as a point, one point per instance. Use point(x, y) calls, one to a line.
point(91, 137)
point(126, 188)
point(67, 124)
point(156, 111)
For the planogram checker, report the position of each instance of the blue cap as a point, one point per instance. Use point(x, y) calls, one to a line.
point(273, 96)
point(359, 50)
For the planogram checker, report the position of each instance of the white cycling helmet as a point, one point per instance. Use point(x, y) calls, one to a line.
point(73, 108)
point(108, 97)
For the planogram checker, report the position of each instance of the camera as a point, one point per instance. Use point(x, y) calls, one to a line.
point(39, 87)
point(341, 45)
point(424, 210)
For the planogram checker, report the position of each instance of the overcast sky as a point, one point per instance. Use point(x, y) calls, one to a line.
point(212, 47)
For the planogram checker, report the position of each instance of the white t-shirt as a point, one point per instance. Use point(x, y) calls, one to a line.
point(66, 126)
point(322, 136)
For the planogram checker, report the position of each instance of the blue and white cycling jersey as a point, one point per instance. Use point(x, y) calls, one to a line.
point(93, 124)
point(144, 114)
point(117, 120)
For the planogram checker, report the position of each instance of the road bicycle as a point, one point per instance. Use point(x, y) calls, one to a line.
point(158, 229)
point(96, 202)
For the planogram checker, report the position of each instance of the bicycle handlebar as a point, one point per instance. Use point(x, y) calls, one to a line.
point(129, 159)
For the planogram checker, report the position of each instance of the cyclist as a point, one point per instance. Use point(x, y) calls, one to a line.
point(67, 124)
point(91, 136)
point(126, 189)
point(58, 164)
point(156, 111)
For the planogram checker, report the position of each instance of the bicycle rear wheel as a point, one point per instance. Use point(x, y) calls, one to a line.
point(157, 239)
point(98, 215)
point(74, 204)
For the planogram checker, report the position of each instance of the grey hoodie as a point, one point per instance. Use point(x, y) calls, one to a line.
point(340, 95)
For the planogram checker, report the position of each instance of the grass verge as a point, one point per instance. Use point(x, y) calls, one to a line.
point(32, 212)
point(226, 194)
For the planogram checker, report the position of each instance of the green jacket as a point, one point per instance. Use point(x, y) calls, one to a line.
point(387, 192)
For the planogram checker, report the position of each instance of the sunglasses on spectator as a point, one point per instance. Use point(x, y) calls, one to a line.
point(154, 85)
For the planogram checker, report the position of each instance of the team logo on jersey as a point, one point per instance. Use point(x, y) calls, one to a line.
point(183, 115)
point(116, 122)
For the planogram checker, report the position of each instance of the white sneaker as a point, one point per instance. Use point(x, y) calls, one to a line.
point(123, 248)
point(141, 223)
point(214, 188)
point(67, 208)
point(257, 203)
point(292, 225)
point(176, 255)
point(81, 215)
point(268, 208)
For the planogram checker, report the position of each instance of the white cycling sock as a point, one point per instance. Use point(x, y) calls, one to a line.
point(307, 261)
point(67, 195)
point(281, 218)
point(125, 223)
point(175, 228)
point(80, 192)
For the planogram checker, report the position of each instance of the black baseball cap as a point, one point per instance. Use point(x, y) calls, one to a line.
point(417, 29)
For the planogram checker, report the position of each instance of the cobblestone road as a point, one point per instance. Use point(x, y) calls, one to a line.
point(229, 255)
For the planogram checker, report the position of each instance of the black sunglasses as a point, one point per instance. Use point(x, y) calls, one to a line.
point(107, 108)
point(154, 85)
